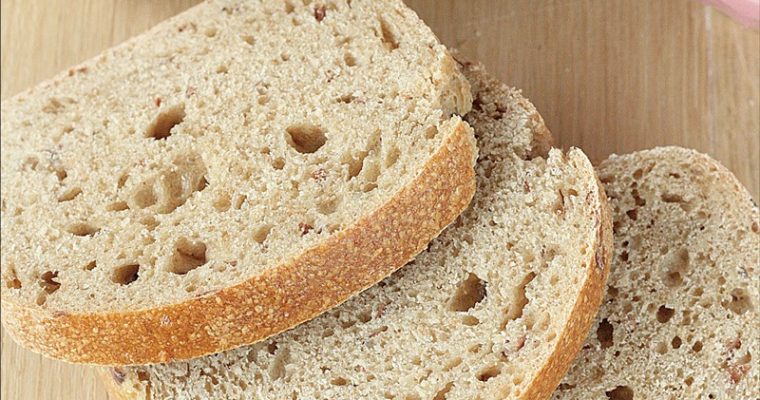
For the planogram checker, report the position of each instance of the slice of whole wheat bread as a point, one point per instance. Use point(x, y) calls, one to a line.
point(496, 308)
point(235, 171)
point(680, 318)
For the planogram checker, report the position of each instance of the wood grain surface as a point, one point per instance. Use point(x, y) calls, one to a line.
point(609, 76)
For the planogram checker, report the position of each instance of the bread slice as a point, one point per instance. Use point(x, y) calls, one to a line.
point(233, 172)
point(680, 318)
point(496, 308)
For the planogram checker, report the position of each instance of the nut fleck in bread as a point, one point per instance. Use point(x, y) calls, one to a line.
point(680, 318)
point(496, 308)
point(233, 172)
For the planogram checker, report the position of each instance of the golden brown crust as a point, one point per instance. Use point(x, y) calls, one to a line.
point(584, 311)
point(298, 290)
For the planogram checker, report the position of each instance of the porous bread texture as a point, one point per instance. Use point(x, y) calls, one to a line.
point(496, 308)
point(237, 170)
point(680, 317)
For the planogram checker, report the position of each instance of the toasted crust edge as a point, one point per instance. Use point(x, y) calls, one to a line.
point(296, 291)
point(585, 308)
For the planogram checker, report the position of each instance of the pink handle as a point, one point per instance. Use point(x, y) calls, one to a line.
point(746, 12)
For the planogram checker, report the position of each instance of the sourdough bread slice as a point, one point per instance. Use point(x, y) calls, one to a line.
point(680, 318)
point(233, 172)
point(496, 308)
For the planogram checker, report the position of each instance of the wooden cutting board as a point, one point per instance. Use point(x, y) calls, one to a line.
point(609, 76)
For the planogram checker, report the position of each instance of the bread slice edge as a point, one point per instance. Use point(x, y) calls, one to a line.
point(295, 291)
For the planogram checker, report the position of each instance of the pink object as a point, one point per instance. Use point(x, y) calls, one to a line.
point(746, 12)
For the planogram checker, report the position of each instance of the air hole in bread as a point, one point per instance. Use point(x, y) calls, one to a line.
point(349, 59)
point(210, 31)
point(517, 380)
point(392, 156)
point(470, 292)
point(469, 320)
point(178, 186)
point(371, 172)
point(559, 203)
point(431, 132)
point(676, 342)
point(662, 348)
point(620, 393)
point(122, 180)
point(672, 198)
point(604, 333)
point(239, 201)
point(278, 163)
point(565, 386)
point(441, 394)
point(387, 37)
point(346, 99)
point(11, 280)
point(515, 309)
point(145, 196)
point(677, 265)
point(632, 214)
point(339, 381)
point(260, 234)
point(188, 255)
point(70, 194)
point(125, 274)
point(60, 172)
point(364, 316)
point(368, 187)
point(488, 373)
point(41, 298)
point(740, 301)
point(305, 138)
point(117, 206)
point(81, 229)
point(162, 126)
point(91, 265)
point(30, 162)
point(289, 7)
point(354, 164)
point(222, 69)
point(277, 367)
point(664, 314)
point(222, 202)
point(48, 282)
point(248, 39)
point(328, 207)
point(149, 222)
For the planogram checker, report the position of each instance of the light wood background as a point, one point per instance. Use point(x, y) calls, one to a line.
point(608, 76)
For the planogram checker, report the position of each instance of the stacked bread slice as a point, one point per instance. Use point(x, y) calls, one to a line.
point(680, 316)
point(235, 171)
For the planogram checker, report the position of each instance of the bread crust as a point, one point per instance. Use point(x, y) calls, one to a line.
point(295, 291)
point(585, 309)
